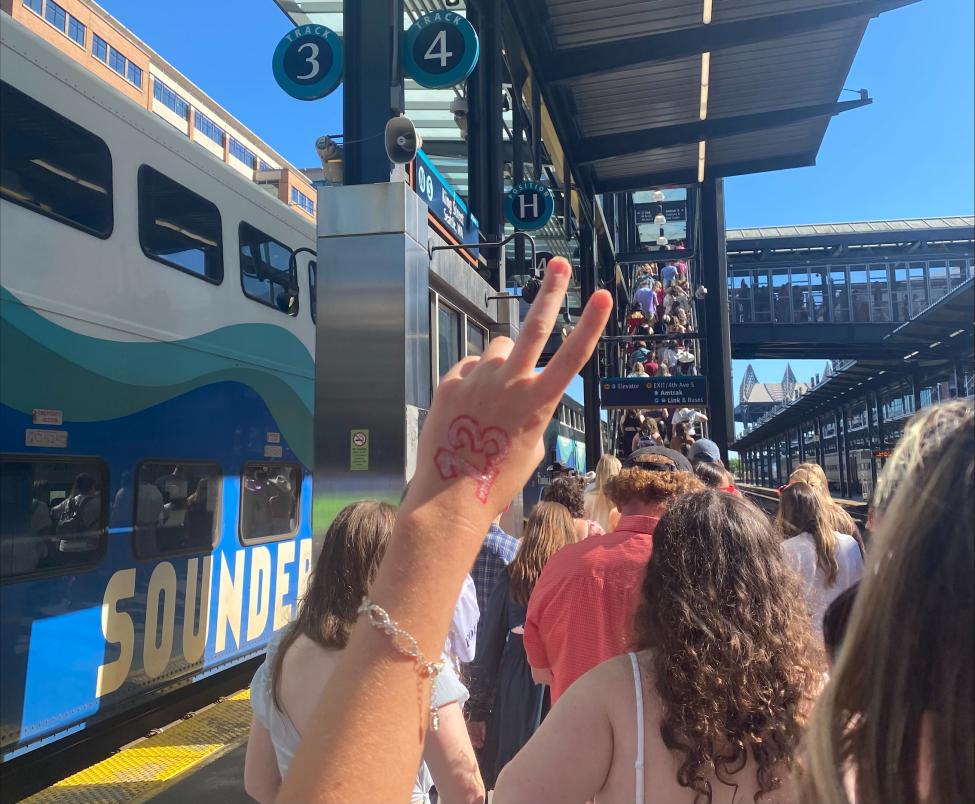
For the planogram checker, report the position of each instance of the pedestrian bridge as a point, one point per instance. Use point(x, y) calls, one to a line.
point(836, 290)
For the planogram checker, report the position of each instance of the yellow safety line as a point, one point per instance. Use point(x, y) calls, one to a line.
point(145, 768)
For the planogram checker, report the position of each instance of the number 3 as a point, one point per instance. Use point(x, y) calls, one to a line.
point(440, 40)
point(312, 59)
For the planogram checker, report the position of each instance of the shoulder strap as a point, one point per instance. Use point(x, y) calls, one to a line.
point(638, 795)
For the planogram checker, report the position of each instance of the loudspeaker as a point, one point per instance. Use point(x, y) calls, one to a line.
point(402, 141)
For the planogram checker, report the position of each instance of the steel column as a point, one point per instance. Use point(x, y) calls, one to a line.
point(840, 419)
point(373, 86)
point(820, 445)
point(590, 371)
point(871, 400)
point(714, 322)
point(916, 389)
point(802, 442)
point(788, 452)
point(517, 161)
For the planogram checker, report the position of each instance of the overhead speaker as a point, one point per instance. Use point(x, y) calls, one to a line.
point(402, 141)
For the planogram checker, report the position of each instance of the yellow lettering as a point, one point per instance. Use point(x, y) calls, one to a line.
point(196, 626)
point(282, 584)
point(230, 600)
point(304, 566)
point(118, 629)
point(259, 603)
point(162, 591)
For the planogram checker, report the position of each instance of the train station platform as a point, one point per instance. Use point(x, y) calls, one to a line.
point(198, 758)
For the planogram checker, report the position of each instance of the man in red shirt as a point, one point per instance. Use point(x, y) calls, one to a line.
point(581, 609)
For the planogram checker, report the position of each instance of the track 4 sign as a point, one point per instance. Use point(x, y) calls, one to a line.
point(441, 49)
point(307, 62)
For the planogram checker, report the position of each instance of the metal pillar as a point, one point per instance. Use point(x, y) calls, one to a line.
point(517, 159)
point(484, 143)
point(373, 86)
point(840, 419)
point(959, 379)
point(788, 452)
point(714, 321)
point(820, 445)
point(881, 430)
point(916, 389)
point(590, 371)
point(802, 442)
point(870, 400)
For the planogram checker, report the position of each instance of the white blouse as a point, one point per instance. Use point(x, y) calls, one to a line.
point(801, 552)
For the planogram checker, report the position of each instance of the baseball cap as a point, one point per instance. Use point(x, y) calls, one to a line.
point(704, 450)
point(677, 462)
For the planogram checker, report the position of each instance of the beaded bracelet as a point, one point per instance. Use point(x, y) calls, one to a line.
point(404, 643)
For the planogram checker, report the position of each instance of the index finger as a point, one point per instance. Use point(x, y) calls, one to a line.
point(538, 324)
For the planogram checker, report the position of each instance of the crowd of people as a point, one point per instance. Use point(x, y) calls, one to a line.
point(651, 637)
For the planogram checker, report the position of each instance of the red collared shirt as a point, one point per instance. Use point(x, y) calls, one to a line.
point(581, 609)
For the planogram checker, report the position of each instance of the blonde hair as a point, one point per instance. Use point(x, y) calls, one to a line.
point(903, 686)
point(599, 506)
point(802, 510)
point(550, 527)
point(813, 475)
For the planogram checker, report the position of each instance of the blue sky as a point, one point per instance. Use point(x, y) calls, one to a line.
point(910, 154)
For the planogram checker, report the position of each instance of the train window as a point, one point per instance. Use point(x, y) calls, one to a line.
point(269, 495)
point(266, 274)
point(52, 514)
point(312, 285)
point(53, 166)
point(175, 507)
point(179, 228)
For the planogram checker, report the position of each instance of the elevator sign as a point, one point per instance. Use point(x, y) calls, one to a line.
point(441, 50)
point(307, 62)
point(529, 205)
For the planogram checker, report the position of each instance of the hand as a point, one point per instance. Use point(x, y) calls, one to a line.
point(477, 729)
point(483, 436)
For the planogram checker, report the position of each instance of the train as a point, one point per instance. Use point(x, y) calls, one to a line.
point(156, 405)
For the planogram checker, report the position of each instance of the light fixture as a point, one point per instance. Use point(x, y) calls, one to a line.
point(705, 79)
point(881, 372)
point(185, 232)
point(69, 176)
point(932, 345)
point(658, 196)
point(908, 357)
point(660, 219)
point(707, 12)
point(662, 238)
point(956, 333)
point(700, 161)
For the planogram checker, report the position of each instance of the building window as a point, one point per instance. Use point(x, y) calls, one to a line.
point(37, 6)
point(52, 514)
point(208, 128)
point(298, 198)
point(134, 75)
point(116, 61)
point(169, 99)
point(448, 338)
point(262, 165)
point(76, 30)
point(175, 507)
point(99, 48)
point(56, 16)
point(53, 166)
point(269, 495)
point(243, 154)
point(179, 228)
point(265, 270)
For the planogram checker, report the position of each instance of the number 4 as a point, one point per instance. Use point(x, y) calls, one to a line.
point(439, 41)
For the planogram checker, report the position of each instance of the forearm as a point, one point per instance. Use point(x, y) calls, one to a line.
point(373, 684)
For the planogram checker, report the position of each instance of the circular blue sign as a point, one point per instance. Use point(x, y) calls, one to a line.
point(307, 62)
point(529, 205)
point(441, 49)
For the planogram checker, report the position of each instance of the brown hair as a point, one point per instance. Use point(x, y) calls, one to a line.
point(802, 510)
point(730, 640)
point(567, 491)
point(549, 528)
point(903, 685)
point(649, 486)
point(815, 476)
point(712, 475)
point(352, 550)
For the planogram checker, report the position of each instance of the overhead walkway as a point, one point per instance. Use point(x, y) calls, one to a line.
point(839, 290)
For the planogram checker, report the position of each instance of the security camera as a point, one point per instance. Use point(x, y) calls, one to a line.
point(700, 292)
point(328, 150)
point(458, 108)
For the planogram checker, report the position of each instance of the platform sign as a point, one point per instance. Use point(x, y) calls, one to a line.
point(441, 50)
point(529, 205)
point(653, 392)
point(444, 202)
point(307, 62)
point(673, 211)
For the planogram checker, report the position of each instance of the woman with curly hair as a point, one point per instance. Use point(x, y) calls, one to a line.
point(570, 492)
point(711, 705)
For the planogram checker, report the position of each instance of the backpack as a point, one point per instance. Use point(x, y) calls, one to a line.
point(645, 441)
point(73, 520)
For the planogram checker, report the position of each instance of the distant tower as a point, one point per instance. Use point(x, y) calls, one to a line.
point(788, 383)
point(747, 383)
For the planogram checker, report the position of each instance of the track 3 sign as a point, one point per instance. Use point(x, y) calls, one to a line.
point(529, 205)
point(441, 49)
point(307, 62)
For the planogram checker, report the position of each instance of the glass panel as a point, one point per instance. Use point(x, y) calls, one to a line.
point(937, 279)
point(175, 507)
point(817, 290)
point(116, 61)
point(51, 165)
point(762, 297)
point(76, 30)
point(919, 292)
point(265, 270)
point(56, 16)
point(37, 6)
point(901, 294)
point(268, 501)
point(839, 293)
point(879, 293)
point(956, 273)
point(801, 297)
point(742, 297)
point(782, 295)
point(448, 337)
point(179, 228)
point(52, 514)
point(859, 293)
point(134, 74)
point(476, 338)
point(99, 48)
